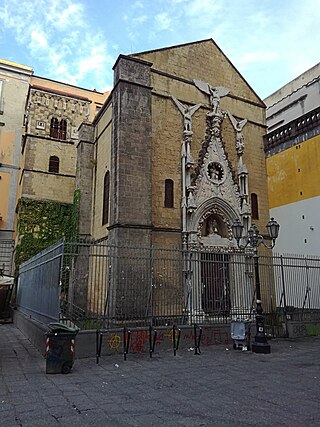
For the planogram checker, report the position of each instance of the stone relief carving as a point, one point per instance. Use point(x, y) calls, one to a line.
point(242, 170)
point(187, 162)
point(214, 229)
point(210, 193)
point(213, 177)
point(215, 94)
point(238, 126)
point(187, 113)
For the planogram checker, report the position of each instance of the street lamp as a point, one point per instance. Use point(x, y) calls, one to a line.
point(254, 239)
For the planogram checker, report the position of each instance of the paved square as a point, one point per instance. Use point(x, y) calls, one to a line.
point(222, 387)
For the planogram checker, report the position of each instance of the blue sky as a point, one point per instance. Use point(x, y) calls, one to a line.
point(77, 41)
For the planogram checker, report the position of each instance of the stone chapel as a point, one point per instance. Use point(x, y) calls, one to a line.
point(176, 153)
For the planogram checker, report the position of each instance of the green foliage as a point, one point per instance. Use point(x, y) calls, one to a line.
point(41, 223)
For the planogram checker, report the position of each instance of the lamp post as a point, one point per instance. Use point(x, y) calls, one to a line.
point(254, 239)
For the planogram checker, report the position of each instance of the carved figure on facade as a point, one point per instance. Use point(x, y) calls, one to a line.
point(215, 94)
point(187, 113)
point(214, 228)
point(238, 126)
point(191, 204)
point(214, 180)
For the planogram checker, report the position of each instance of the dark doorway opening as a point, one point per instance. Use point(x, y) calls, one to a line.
point(215, 283)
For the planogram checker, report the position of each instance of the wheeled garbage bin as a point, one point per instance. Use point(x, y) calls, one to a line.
point(60, 346)
point(240, 333)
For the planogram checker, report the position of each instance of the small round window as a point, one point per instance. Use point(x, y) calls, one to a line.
point(216, 172)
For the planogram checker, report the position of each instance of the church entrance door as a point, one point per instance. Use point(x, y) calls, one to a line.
point(215, 283)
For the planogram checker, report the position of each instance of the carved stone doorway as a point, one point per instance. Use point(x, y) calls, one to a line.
point(215, 283)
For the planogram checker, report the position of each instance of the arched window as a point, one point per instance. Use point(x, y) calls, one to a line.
point(54, 127)
point(54, 164)
point(63, 129)
point(58, 129)
point(168, 193)
point(254, 206)
point(105, 206)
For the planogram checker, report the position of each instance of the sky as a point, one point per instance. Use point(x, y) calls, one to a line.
point(270, 42)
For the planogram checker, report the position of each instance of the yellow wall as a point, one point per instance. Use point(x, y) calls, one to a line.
point(6, 146)
point(293, 174)
point(103, 163)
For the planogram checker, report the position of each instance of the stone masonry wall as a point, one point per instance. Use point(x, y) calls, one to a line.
point(84, 178)
point(172, 73)
point(103, 131)
point(131, 151)
point(37, 182)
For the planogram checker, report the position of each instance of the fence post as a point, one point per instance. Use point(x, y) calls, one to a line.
point(107, 303)
point(149, 305)
point(284, 296)
point(307, 290)
point(187, 284)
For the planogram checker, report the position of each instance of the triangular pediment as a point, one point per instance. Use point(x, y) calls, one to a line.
point(203, 60)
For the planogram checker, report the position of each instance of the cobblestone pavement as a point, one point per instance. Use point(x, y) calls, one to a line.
point(222, 386)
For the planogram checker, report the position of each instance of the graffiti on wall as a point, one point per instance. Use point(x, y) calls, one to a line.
point(303, 329)
point(140, 339)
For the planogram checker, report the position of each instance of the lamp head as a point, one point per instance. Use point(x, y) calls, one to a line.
point(237, 229)
point(273, 228)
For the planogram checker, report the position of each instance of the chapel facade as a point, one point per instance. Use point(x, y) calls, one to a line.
point(178, 152)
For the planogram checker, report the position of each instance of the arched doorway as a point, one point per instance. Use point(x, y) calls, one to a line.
point(215, 281)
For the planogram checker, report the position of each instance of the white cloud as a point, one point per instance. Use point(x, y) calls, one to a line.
point(140, 19)
point(195, 8)
point(72, 15)
point(138, 5)
point(38, 40)
point(162, 21)
point(253, 57)
point(267, 40)
point(58, 36)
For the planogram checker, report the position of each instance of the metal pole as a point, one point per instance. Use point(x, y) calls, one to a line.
point(284, 297)
point(260, 344)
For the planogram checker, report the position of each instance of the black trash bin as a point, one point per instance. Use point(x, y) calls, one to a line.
point(60, 346)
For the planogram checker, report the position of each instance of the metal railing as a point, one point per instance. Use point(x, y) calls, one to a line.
point(38, 290)
point(117, 286)
point(6, 256)
point(104, 286)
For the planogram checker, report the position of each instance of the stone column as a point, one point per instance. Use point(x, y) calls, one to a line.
point(131, 198)
point(78, 288)
point(84, 176)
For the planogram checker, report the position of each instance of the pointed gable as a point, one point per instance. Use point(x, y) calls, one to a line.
point(202, 60)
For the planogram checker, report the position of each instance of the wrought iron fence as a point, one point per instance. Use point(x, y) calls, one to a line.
point(6, 256)
point(100, 285)
point(110, 286)
point(38, 291)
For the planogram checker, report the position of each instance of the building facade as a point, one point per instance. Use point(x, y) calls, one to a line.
point(178, 156)
point(293, 158)
point(178, 151)
point(47, 203)
point(14, 86)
